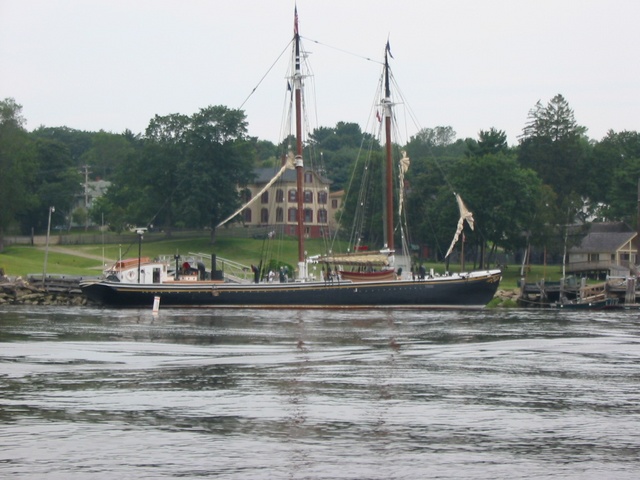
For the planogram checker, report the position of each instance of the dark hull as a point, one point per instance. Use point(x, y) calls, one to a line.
point(471, 292)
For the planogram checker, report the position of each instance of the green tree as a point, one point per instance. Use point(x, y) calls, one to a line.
point(337, 149)
point(553, 145)
point(432, 214)
point(144, 186)
point(616, 156)
point(186, 175)
point(78, 142)
point(266, 152)
point(17, 166)
point(437, 137)
point(624, 191)
point(57, 182)
point(165, 149)
point(107, 152)
point(503, 202)
point(434, 148)
point(361, 216)
point(490, 141)
point(219, 159)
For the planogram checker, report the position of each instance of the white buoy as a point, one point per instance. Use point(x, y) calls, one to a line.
point(156, 305)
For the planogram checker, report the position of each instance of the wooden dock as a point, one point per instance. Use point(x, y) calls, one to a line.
point(543, 294)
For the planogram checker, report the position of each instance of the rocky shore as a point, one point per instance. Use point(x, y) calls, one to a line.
point(505, 299)
point(20, 292)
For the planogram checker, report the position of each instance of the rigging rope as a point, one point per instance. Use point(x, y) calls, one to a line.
point(343, 50)
point(265, 75)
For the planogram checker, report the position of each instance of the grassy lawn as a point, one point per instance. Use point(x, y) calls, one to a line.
point(511, 275)
point(25, 260)
point(22, 261)
point(242, 250)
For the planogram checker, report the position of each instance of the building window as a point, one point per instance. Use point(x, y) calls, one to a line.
point(308, 177)
point(265, 197)
point(308, 196)
point(308, 215)
point(264, 215)
point(334, 203)
point(279, 196)
point(322, 215)
point(246, 215)
point(322, 197)
point(594, 257)
point(292, 214)
point(293, 197)
point(279, 215)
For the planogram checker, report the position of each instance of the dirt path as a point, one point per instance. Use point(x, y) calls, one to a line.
point(76, 253)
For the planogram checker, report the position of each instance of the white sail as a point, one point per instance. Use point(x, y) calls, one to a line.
point(465, 214)
point(403, 167)
point(289, 165)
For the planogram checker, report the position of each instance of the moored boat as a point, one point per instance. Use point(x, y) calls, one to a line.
point(593, 303)
point(351, 280)
point(472, 290)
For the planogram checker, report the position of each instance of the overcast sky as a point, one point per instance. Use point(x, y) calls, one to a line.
point(468, 64)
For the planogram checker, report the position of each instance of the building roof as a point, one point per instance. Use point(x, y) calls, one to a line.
point(264, 175)
point(605, 237)
point(609, 227)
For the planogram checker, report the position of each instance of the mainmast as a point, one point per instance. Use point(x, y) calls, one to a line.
point(386, 102)
point(297, 85)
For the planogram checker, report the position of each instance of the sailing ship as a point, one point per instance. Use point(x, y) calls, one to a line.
point(374, 279)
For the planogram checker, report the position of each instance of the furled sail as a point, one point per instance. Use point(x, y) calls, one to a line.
point(360, 258)
point(288, 165)
point(404, 166)
point(465, 214)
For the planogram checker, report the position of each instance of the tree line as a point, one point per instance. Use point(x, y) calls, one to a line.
point(184, 172)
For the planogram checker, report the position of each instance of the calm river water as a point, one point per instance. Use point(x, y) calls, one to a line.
point(245, 394)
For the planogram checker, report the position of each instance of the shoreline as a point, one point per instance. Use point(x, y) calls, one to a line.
point(20, 292)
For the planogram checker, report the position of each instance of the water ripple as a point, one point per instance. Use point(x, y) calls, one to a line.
point(318, 394)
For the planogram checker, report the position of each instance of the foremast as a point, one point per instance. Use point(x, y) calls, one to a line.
point(299, 164)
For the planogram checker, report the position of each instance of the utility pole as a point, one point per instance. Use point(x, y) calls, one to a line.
point(46, 249)
point(85, 168)
point(140, 232)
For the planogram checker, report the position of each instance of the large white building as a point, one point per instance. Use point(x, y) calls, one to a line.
point(278, 206)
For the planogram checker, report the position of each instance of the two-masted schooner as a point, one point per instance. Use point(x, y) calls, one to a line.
point(140, 282)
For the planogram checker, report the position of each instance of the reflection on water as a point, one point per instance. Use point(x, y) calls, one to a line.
point(318, 394)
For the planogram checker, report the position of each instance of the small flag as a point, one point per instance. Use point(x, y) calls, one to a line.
point(389, 49)
point(378, 116)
